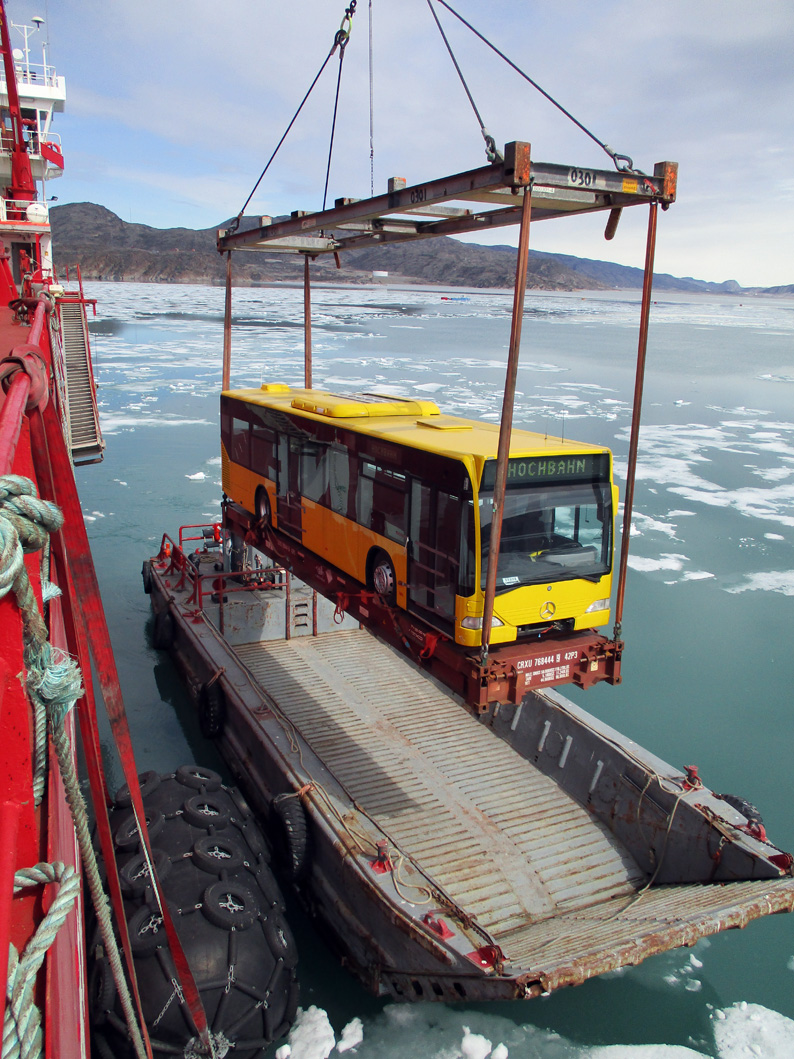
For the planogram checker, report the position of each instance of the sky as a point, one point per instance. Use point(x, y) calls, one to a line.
point(174, 107)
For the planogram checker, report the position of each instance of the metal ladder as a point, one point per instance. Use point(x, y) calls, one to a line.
point(84, 435)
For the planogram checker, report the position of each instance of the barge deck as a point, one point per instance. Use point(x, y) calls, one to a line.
point(452, 855)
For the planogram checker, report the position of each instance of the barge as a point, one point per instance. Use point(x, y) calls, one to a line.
point(448, 853)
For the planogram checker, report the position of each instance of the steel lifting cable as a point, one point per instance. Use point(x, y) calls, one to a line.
point(371, 111)
point(490, 144)
point(235, 224)
point(628, 164)
point(340, 41)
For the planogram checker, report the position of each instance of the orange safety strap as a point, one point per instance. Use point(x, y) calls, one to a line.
point(86, 611)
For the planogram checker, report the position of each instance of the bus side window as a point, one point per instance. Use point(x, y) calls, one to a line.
point(313, 473)
point(226, 431)
point(338, 480)
point(382, 500)
point(466, 571)
point(366, 474)
point(241, 442)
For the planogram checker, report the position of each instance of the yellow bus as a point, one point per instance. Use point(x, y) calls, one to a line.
point(400, 497)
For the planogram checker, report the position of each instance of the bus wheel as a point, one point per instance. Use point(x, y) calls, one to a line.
point(262, 504)
point(383, 580)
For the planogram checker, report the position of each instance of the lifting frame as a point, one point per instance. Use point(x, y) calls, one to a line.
point(503, 193)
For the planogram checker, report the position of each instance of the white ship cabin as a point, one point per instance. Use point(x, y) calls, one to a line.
point(41, 93)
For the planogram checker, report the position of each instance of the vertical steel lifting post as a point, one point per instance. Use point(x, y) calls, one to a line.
point(506, 427)
point(307, 324)
point(227, 326)
point(628, 503)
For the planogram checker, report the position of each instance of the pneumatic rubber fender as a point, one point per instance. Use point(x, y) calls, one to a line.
point(212, 860)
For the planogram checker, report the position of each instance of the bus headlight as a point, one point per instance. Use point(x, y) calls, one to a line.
point(476, 623)
point(600, 604)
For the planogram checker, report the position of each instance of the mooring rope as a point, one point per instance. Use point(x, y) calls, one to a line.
point(22, 1037)
point(26, 522)
point(54, 684)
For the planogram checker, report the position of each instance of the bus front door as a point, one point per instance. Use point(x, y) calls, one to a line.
point(432, 559)
point(288, 496)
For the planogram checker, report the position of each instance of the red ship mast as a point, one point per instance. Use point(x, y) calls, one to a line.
point(22, 187)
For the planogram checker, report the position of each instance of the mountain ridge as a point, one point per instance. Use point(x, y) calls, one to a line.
point(108, 248)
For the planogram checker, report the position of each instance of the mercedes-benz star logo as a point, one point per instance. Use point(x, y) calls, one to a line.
point(548, 609)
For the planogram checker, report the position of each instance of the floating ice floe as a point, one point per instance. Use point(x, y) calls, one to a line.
point(642, 1051)
point(352, 1036)
point(646, 524)
point(311, 1036)
point(749, 1031)
point(113, 423)
point(199, 476)
point(666, 561)
point(743, 1031)
point(767, 581)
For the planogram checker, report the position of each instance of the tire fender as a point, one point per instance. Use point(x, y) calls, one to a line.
point(212, 710)
point(290, 835)
point(163, 631)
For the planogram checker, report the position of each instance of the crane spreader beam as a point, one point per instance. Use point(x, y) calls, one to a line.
point(423, 210)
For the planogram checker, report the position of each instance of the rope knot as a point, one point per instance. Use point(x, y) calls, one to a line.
point(32, 518)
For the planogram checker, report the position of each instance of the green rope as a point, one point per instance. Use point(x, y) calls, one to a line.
point(26, 522)
point(22, 1036)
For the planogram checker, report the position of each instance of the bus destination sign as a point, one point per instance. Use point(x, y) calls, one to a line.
point(533, 470)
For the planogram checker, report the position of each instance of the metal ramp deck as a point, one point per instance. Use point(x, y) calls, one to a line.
point(552, 886)
point(84, 436)
point(502, 840)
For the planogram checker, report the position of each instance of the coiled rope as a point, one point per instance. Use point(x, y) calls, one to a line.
point(22, 1037)
point(26, 522)
point(54, 685)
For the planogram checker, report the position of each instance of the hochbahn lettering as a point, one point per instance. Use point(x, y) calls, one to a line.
point(546, 468)
point(523, 470)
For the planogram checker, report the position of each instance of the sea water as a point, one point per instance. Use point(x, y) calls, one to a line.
point(709, 604)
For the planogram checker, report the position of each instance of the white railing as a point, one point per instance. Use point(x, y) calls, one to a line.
point(34, 142)
point(15, 211)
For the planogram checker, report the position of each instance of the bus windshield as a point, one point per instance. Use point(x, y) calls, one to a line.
point(550, 533)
